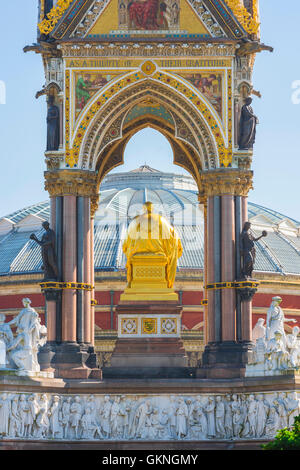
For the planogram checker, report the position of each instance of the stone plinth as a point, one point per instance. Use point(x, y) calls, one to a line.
point(148, 280)
point(226, 359)
point(148, 339)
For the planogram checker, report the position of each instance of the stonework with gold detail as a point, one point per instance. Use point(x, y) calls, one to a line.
point(149, 326)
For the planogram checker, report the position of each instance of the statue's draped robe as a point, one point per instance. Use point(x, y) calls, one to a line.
point(151, 233)
point(247, 131)
point(53, 132)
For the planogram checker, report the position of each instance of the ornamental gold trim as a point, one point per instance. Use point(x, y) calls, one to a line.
point(48, 24)
point(250, 23)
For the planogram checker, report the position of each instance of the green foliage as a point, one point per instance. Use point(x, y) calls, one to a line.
point(286, 439)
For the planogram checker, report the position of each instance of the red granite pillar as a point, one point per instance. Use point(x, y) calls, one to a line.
point(92, 271)
point(210, 327)
point(69, 269)
point(87, 269)
point(228, 267)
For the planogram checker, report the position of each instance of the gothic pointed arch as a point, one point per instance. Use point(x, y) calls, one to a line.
point(194, 120)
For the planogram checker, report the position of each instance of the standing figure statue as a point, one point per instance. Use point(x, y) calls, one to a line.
point(30, 336)
point(152, 233)
point(6, 338)
point(53, 124)
point(276, 320)
point(248, 122)
point(48, 252)
point(247, 249)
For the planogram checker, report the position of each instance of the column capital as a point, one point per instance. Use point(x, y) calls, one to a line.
point(227, 181)
point(71, 183)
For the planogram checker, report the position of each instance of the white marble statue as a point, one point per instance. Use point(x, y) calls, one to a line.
point(275, 352)
point(276, 320)
point(259, 331)
point(6, 338)
point(293, 345)
point(21, 352)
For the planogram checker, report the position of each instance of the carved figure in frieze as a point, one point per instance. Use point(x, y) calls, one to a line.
point(172, 414)
point(272, 423)
point(237, 422)
point(75, 415)
point(210, 414)
point(293, 407)
point(244, 406)
point(23, 411)
point(105, 416)
point(142, 413)
point(54, 417)
point(252, 415)
point(262, 413)
point(90, 428)
point(14, 422)
point(220, 417)
point(4, 414)
point(65, 416)
point(115, 430)
point(228, 417)
point(181, 419)
point(124, 410)
point(153, 424)
point(164, 430)
point(32, 414)
point(132, 407)
point(42, 419)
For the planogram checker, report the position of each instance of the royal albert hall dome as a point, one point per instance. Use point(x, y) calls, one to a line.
point(175, 196)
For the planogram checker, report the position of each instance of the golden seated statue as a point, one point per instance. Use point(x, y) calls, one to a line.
point(152, 247)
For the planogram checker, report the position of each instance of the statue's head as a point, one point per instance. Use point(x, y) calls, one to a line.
point(295, 330)
point(148, 206)
point(248, 101)
point(276, 300)
point(247, 226)
point(45, 225)
point(277, 335)
point(26, 302)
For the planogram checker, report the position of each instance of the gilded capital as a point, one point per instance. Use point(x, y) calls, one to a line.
point(227, 181)
point(71, 182)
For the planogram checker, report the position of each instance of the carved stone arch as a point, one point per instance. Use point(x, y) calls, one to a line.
point(178, 106)
point(113, 155)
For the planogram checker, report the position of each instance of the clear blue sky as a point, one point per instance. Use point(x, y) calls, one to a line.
point(23, 118)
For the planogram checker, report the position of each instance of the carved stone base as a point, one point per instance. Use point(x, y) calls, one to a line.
point(70, 360)
point(148, 340)
point(226, 359)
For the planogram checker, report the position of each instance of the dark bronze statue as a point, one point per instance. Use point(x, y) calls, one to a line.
point(248, 122)
point(248, 252)
point(53, 131)
point(48, 252)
